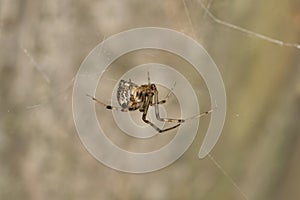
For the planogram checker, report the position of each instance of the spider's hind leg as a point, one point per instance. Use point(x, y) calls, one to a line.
point(109, 107)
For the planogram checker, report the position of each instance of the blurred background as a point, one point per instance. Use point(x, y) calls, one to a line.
point(42, 44)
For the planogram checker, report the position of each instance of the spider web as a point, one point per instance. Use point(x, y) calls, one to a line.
point(57, 90)
point(247, 32)
point(207, 12)
point(242, 30)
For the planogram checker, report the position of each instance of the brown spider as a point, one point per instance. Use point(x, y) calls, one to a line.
point(133, 97)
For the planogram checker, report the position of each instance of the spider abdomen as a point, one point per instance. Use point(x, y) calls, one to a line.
point(125, 91)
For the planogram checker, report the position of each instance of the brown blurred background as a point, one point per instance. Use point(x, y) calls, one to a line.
point(42, 44)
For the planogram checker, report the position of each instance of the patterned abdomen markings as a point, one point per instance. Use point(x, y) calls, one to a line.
point(125, 90)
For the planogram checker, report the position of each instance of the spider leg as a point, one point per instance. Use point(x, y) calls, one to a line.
point(148, 77)
point(160, 102)
point(166, 98)
point(144, 117)
point(200, 115)
point(109, 107)
point(170, 92)
point(155, 127)
point(156, 102)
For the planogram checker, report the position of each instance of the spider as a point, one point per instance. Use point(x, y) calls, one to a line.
point(133, 97)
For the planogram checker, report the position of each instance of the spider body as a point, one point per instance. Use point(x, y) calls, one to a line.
point(133, 97)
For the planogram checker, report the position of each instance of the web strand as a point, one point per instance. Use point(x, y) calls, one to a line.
point(246, 31)
point(189, 17)
point(198, 116)
point(35, 64)
point(227, 176)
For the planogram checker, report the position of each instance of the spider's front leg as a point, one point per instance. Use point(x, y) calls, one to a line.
point(109, 107)
point(170, 119)
point(148, 103)
point(166, 98)
point(156, 102)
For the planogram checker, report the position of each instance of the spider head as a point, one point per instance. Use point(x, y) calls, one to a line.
point(153, 87)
